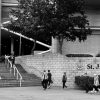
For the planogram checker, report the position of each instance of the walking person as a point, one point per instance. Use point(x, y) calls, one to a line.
point(44, 80)
point(95, 86)
point(49, 78)
point(96, 83)
point(64, 80)
point(12, 59)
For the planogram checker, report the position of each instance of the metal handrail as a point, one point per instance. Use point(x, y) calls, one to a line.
point(9, 64)
point(45, 51)
point(18, 74)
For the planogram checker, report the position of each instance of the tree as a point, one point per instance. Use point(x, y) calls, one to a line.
point(62, 19)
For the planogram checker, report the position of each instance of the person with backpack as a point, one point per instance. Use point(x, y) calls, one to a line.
point(44, 80)
point(64, 80)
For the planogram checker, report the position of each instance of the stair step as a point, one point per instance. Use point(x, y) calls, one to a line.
point(25, 74)
point(7, 76)
point(8, 79)
point(15, 83)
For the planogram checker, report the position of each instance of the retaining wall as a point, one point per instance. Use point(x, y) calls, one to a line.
point(58, 64)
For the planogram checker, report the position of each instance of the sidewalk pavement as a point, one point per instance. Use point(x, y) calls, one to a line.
point(37, 93)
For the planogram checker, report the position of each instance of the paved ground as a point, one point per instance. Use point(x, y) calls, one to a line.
point(37, 93)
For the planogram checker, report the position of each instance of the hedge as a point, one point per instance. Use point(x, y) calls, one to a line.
point(81, 81)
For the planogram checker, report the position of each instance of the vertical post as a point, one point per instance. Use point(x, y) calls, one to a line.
point(20, 42)
point(10, 67)
point(10, 70)
point(12, 45)
point(17, 74)
point(14, 71)
point(0, 27)
point(7, 64)
point(20, 82)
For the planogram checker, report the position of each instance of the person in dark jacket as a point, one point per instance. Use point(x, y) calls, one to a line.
point(49, 78)
point(64, 80)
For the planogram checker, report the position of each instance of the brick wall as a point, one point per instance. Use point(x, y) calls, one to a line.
point(58, 64)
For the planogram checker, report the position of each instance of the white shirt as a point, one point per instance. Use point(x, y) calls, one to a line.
point(44, 76)
point(96, 80)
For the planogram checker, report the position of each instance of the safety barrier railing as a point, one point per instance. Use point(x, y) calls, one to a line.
point(15, 70)
point(45, 51)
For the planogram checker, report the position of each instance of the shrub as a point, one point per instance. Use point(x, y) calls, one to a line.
point(81, 81)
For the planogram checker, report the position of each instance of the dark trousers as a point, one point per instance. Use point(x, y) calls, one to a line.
point(49, 82)
point(96, 87)
point(44, 84)
point(90, 87)
point(64, 82)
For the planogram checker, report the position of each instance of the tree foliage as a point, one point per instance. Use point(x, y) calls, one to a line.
point(65, 19)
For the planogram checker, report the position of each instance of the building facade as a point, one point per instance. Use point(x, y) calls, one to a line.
point(58, 63)
point(91, 45)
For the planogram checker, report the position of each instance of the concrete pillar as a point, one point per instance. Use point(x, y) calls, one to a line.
point(12, 46)
point(20, 43)
point(55, 45)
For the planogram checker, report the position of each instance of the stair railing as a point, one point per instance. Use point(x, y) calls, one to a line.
point(43, 52)
point(16, 72)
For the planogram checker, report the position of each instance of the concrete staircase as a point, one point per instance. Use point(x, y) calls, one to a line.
point(28, 79)
point(8, 79)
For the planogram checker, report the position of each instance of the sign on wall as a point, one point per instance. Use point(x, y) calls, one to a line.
point(94, 64)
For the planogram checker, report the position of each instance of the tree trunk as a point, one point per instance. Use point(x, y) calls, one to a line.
point(57, 45)
point(32, 51)
point(60, 45)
